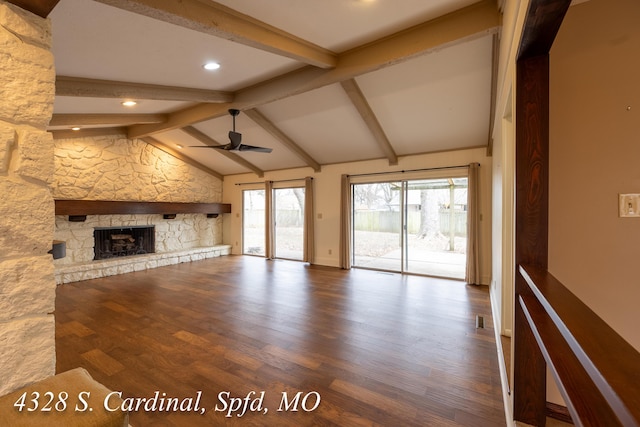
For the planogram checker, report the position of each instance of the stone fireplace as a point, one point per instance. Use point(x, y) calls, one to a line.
point(123, 241)
point(185, 238)
point(115, 169)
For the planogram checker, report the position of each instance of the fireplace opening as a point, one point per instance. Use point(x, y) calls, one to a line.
point(123, 241)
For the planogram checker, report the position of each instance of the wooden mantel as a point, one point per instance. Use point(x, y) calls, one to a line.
point(107, 207)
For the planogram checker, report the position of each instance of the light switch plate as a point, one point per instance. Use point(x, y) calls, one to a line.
point(629, 205)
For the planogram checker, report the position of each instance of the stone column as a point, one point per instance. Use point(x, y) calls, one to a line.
point(27, 285)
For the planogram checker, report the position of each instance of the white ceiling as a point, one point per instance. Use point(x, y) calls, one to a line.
point(438, 100)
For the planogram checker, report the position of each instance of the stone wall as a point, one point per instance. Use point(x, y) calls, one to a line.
point(116, 168)
point(27, 286)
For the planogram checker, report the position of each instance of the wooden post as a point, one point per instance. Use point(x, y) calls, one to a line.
point(452, 217)
point(532, 206)
point(540, 27)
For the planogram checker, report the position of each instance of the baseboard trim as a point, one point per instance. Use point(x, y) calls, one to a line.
point(558, 412)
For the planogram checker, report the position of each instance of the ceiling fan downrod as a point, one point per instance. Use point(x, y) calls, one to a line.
point(234, 113)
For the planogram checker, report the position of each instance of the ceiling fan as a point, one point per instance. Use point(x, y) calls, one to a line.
point(235, 138)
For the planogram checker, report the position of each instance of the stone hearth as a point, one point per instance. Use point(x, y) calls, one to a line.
point(110, 267)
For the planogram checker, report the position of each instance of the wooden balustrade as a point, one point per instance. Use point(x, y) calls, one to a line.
point(596, 370)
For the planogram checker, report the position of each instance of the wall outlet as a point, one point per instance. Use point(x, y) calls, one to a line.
point(629, 205)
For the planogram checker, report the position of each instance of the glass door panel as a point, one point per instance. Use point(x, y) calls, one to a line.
point(253, 222)
point(377, 224)
point(289, 223)
point(436, 218)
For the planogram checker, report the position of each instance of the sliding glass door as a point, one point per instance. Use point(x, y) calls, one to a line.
point(413, 226)
point(288, 208)
point(288, 223)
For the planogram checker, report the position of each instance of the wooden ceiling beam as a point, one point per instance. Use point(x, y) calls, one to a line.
point(180, 156)
point(105, 119)
point(268, 125)
point(215, 19)
point(42, 8)
point(81, 87)
point(207, 140)
point(360, 102)
point(469, 23)
point(87, 133)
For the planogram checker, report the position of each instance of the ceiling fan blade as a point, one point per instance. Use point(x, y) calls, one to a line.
point(218, 147)
point(244, 147)
point(235, 139)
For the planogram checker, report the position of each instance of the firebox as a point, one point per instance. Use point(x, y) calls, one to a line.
point(123, 241)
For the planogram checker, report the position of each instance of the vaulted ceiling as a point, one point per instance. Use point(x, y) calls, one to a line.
point(318, 82)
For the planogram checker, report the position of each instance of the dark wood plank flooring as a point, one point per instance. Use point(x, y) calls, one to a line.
point(380, 349)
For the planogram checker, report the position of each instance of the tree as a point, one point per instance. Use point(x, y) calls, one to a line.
point(424, 215)
point(299, 193)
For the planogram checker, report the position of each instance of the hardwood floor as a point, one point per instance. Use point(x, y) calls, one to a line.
point(380, 349)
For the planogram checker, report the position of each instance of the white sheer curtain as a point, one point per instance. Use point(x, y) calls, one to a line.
point(308, 251)
point(269, 220)
point(472, 274)
point(345, 222)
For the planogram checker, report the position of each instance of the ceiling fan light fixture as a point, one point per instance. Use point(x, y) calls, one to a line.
point(210, 66)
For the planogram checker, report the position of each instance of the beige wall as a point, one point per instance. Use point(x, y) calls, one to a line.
point(327, 199)
point(595, 154)
point(27, 286)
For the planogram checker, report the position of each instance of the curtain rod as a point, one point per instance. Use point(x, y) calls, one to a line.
point(411, 170)
point(367, 174)
point(262, 182)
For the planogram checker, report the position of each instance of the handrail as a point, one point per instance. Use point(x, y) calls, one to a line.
point(597, 371)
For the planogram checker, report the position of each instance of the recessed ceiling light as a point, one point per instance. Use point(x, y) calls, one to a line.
point(75, 128)
point(211, 66)
point(129, 103)
point(179, 146)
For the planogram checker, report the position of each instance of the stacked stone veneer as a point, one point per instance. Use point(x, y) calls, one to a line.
point(27, 286)
point(117, 168)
